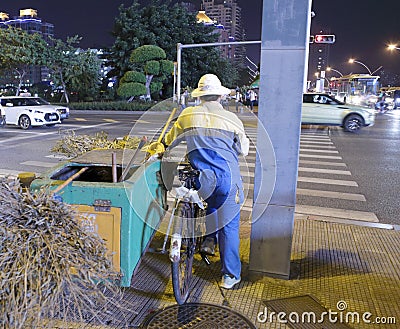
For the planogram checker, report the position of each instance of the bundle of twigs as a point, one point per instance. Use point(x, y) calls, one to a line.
point(72, 145)
point(50, 266)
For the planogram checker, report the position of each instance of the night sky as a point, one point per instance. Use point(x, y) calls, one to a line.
point(363, 28)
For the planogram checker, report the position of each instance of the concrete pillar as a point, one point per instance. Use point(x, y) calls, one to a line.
point(284, 50)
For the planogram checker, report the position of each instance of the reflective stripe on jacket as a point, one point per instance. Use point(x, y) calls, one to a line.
point(215, 137)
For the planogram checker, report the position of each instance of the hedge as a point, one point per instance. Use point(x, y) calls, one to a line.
point(166, 105)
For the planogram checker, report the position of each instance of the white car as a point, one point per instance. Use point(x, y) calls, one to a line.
point(323, 109)
point(27, 112)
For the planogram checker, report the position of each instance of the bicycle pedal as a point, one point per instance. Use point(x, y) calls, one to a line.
point(205, 258)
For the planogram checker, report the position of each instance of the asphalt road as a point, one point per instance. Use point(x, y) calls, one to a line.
point(368, 159)
point(373, 157)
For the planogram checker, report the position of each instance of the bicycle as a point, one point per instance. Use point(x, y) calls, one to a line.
point(187, 220)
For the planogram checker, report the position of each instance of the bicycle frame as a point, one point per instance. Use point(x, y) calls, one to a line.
point(183, 194)
point(188, 207)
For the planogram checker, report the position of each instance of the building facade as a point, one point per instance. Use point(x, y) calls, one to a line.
point(228, 16)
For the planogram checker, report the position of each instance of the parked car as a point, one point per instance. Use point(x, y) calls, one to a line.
point(323, 109)
point(31, 111)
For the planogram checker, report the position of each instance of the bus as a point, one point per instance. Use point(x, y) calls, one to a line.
point(358, 89)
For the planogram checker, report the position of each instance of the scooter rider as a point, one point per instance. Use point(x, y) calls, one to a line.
point(381, 104)
point(215, 138)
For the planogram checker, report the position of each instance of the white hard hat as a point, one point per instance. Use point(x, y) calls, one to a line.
point(209, 84)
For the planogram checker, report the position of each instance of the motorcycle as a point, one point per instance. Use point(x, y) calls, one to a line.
point(382, 106)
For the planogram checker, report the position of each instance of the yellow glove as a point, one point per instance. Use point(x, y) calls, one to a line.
point(154, 148)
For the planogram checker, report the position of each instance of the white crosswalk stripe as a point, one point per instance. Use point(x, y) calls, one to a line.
point(327, 181)
point(38, 164)
point(323, 163)
point(337, 213)
point(317, 156)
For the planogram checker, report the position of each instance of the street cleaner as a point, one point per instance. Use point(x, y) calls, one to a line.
point(215, 139)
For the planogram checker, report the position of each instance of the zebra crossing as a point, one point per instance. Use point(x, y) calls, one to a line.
point(322, 175)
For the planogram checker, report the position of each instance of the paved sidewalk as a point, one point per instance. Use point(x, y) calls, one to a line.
point(349, 269)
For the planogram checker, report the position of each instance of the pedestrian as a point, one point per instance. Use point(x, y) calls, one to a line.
point(215, 138)
point(183, 99)
point(252, 98)
point(238, 99)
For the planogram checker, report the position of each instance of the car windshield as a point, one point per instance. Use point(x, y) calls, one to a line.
point(35, 101)
point(22, 101)
point(321, 98)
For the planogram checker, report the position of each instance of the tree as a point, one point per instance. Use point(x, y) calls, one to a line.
point(72, 68)
point(83, 76)
point(165, 25)
point(132, 85)
point(60, 58)
point(20, 50)
point(150, 63)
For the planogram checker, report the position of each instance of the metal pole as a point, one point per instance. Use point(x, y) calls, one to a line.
point(174, 87)
point(180, 46)
point(178, 78)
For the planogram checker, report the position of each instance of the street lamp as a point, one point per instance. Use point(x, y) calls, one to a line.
point(331, 69)
point(392, 47)
point(351, 60)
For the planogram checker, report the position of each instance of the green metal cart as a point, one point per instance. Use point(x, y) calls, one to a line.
point(124, 213)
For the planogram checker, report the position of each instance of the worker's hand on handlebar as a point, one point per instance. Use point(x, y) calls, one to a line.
point(154, 148)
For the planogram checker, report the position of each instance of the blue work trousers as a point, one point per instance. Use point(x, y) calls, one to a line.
point(223, 220)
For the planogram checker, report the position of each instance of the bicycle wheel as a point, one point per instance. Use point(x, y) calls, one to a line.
point(181, 267)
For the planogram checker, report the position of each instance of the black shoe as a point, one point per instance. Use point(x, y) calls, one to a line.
point(208, 247)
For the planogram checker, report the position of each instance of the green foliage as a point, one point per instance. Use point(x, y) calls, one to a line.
point(131, 89)
point(149, 60)
point(164, 25)
point(73, 69)
point(147, 53)
point(83, 76)
point(167, 67)
point(111, 106)
point(18, 47)
point(18, 51)
point(133, 76)
point(152, 68)
point(155, 87)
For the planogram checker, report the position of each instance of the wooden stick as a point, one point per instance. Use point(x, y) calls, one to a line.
point(114, 166)
point(70, 179)
point(126, 169)
point(166, 125)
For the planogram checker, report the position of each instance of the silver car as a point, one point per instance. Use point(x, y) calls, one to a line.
point(323, 109)
point(27, 112)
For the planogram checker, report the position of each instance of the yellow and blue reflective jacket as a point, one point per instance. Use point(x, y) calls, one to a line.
point(214, 137)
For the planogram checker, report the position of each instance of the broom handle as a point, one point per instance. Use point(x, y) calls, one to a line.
point(166, 125)
point(70, 179)
point(126, 170)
